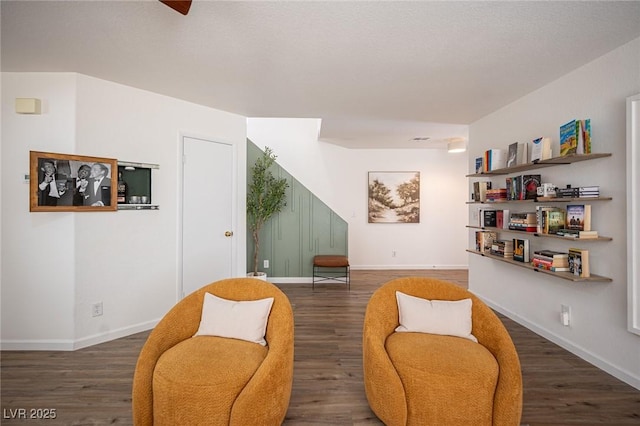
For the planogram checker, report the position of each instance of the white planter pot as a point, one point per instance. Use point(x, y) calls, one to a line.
point(261, 276)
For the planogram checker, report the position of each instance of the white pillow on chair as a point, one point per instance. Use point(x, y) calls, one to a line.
point(446, 317)
point(244, 320)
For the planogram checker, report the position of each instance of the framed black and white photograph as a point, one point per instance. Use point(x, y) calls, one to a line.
point(66, 182)
point(394, 197)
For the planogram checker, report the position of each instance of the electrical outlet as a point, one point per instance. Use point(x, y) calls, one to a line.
point(393, 253)
point(96, 309)
point(265, 263)
point(565, 315)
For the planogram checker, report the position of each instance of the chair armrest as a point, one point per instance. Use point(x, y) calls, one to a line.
point(382, 383)
point(179, 324)
point(492, 334)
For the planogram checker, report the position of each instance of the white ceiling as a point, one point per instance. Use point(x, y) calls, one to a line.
point(378, 73)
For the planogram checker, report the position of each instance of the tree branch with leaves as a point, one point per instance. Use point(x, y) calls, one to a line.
point(266, 196)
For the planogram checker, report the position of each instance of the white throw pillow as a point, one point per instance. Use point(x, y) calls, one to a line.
point(244, 320)
point(447, 317)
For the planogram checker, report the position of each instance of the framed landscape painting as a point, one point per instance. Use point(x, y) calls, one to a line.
point(394, 197)
point(66, 182)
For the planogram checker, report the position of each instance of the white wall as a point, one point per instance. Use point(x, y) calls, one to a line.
point(598, 331)
point(38, 269)
point(126, 259)
point(338, 176)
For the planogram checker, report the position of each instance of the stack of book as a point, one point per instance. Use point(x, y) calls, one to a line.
point(579, 262)
point(494, 195)
point(551, 260)
point(502, 248)
point(568, 192)
point(589, 192)
point(573, 233)
point(484, 241)
point(525, 221)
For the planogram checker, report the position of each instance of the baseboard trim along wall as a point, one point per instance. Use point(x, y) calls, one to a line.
point(72, 345)
point(615, 371)
point(407, 267)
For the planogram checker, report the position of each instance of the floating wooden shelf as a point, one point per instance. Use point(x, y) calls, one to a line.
point(568, 159)
point(562, 275)
point(538, 234)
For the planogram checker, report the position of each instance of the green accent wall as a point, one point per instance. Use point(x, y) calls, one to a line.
point(304, 228)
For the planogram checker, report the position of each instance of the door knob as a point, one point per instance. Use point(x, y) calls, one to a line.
point(228, 234)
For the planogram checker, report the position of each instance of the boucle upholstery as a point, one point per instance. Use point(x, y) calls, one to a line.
point(422, 379)
point(185, 380)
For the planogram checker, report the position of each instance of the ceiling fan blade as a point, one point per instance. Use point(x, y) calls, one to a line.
point(181, 6)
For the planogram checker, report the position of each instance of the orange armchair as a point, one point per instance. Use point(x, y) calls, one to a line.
point(185, 380)
point(428, 379)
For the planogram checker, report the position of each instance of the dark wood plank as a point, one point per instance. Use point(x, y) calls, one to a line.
point(92, 386)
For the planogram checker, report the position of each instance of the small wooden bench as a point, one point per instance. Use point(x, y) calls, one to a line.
point(332, 262)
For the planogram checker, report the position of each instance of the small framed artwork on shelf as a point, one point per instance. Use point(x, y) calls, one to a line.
point(68, 182)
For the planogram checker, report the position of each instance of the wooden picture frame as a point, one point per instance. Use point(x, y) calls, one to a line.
point(394, 197)
point(72, 183)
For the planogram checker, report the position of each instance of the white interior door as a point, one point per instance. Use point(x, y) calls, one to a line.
point(208, 212)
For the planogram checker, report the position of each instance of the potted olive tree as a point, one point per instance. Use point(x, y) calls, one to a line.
point(265, 197)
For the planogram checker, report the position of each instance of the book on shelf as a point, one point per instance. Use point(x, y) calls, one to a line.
point(579, 262)
point(502, 248)
point(517, 154)
point(589, 192)
point(551, 258)
point(484, 240)
point(540, 217)
point(509, 187)
point(502, 219)
point(568, 192)
point(579, 217)
point(530, 184)
point(494, 159)
point(583, 129)
point(523, 221)
point(479, 165)
point(574, 233)
point(547, 267)
point(496, 195)
point(521, 250)
point(555, 221)
point(480, 191)
point(568, 138)
point(489, 218)
point(541, 149)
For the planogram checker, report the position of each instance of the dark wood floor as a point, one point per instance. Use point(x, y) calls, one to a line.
point(92, 386)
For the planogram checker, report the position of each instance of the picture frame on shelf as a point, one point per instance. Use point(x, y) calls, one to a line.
point(71, 183)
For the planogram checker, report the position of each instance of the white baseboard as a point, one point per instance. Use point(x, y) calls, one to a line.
point(407, 267)
point(289, 280)
point(37, 345)
point(71, 345)
point(579, 351)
